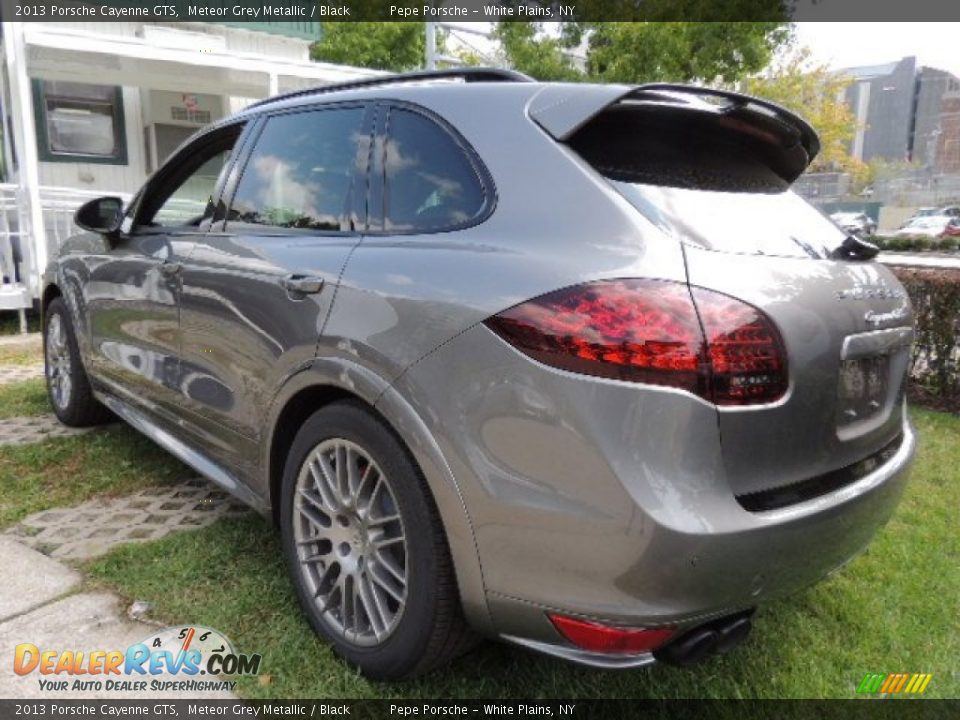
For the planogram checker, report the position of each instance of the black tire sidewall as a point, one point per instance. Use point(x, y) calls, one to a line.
point(400, 653)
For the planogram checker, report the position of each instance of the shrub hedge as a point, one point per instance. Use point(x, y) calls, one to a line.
point(886, 242)
point(935, 359)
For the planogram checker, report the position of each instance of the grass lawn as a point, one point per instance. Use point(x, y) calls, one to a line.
point(893, 609)
point(19, 355)
point(24, 399)
point(66, 471)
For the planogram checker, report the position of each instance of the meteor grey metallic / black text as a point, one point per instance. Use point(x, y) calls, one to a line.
point(568, 365)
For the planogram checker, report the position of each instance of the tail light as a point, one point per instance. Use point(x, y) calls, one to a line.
point(653, 332)
point(595, 637)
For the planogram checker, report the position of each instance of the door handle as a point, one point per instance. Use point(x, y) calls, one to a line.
point(300, 285)
point(170, 269)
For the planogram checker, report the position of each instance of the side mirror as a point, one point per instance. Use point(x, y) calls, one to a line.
point(102, 215)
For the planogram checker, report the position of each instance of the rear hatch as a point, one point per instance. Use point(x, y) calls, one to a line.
point(713, 170)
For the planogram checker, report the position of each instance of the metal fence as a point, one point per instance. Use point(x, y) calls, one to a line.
point(18, 275)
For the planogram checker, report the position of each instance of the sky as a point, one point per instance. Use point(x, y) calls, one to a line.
point(843, 45)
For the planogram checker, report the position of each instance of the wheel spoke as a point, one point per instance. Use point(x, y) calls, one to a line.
point(389, 589)
point(312, 517)
point(324, 481)
point(317, 504)
point(383, 542)
point(371, 606)
point(377, 522)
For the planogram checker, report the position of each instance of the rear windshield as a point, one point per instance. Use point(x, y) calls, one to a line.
point(781, 224)
point(705, 181)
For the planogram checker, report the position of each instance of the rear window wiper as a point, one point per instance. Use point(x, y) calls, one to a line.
point(854, 248)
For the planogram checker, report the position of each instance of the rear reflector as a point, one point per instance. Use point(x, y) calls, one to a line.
point(649, 331)
point(595, 637)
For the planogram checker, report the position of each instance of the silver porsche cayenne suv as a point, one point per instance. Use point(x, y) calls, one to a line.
point(565, 365)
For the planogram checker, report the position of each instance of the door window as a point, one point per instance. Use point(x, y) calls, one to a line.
point(182, 194)
point(300, 171)
point(431, 183)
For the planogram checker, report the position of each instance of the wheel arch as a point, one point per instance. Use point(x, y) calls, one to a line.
point(329, 380)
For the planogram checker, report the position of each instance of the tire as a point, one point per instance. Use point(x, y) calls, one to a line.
point(330, 546)
point(68, 386)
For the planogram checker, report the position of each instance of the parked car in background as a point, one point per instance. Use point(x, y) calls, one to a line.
point(503, 358)
point(859, 224)
point(930, 226)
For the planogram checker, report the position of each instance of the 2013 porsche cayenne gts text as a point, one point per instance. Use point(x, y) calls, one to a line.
point(566, 365)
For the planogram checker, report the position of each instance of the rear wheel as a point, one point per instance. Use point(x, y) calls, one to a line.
point(366, 548)
point(67, 384)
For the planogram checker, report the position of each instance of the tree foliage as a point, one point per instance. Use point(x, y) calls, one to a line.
point(634, 52)
point(396, 46)
point(815, 93)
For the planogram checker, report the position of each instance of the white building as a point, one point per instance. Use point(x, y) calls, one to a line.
point(92, 109)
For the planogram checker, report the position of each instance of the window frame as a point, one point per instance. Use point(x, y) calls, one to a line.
point(353, 218)
point(380, 187)
point(46, 154)
point(169, 175)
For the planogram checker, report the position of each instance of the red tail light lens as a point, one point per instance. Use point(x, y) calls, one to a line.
point(648, 331)
point(747, 359)
point(605, 639)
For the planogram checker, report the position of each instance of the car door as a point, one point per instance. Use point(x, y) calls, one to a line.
point(257, 288)
point(133, 291)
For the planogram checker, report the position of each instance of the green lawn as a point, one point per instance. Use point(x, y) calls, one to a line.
point(66, 471)
point(24, 399)
point(20, 355)
point(893, 609)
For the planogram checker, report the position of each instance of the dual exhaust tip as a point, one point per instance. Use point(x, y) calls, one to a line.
point(718, 636)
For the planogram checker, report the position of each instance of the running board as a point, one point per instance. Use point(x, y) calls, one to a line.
point(179, 449)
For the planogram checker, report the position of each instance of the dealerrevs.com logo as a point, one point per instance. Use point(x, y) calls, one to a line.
point(175, 659)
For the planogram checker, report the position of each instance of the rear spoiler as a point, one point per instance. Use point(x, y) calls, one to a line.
point(562, 109)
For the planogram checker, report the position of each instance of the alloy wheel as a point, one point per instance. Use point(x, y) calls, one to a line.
point(350, 542)
point(59, 365)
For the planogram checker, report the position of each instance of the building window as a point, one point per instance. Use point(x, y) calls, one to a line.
point(79, 122)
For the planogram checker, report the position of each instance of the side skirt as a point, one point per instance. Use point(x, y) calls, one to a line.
point(195, 459)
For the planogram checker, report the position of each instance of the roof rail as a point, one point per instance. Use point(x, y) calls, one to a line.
point(471, 74)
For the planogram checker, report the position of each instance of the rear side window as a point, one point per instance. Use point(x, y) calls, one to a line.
point(300, 171)
point(431, 184)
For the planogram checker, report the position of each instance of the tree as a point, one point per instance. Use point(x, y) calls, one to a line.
point(396, 46)
point(816, 93)
point(529, 50)
point(635, 52)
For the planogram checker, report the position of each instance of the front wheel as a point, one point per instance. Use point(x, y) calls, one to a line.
point(67, 384)
point(366, 548)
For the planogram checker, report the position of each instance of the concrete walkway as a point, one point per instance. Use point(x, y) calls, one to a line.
point(37, 428)
point(27, 340)
point(94, 528)
point(39, 604)
point(20, 373)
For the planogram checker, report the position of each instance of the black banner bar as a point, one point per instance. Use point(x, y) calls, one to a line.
point(253, 11)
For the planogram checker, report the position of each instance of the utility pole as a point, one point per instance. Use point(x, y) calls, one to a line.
point(431, 60)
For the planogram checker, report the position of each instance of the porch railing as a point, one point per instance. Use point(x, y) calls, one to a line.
point(14, 285)
point(19, 278)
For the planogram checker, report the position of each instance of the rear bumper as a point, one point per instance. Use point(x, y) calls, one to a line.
point(610, 501)
point(692, 578)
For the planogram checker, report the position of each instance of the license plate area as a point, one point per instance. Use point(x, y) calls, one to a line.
point(862, 389)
